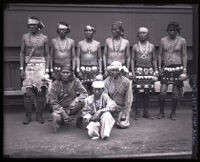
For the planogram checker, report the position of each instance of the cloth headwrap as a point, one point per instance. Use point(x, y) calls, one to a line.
point(115, 65)
point(98, 84)
point(35, 21)
point(119, 25)
point(66, 68)
point(62, 26)
point(89, 27)
point(143, 29)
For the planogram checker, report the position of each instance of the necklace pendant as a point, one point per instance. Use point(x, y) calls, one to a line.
point(143, 57)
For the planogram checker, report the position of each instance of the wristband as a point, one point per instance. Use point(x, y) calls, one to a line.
point(51, 70)
point(47, 70)
point(21, 68)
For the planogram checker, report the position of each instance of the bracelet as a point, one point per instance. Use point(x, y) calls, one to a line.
point(159, 67)
point(47, 70)
point(51, 70)
point(21, 68)
point(184, 69)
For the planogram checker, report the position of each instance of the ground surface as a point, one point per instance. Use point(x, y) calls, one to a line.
point(144, 136)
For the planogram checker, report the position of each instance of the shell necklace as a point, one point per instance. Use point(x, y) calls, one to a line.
point(63, 44)
point(116, 45)
point(88, 46)
point(35, 39)
point(144, 49)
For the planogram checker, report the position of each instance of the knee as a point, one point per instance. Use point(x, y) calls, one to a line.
point(106, 115)
point(56, 116)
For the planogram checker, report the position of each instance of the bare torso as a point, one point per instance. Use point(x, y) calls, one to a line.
point(31, 42)
point(119, 55)
point(62, 51)
point(176, 49)
point(89, 52)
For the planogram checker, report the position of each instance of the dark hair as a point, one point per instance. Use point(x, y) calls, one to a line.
point(174, 25)
point(66, 24)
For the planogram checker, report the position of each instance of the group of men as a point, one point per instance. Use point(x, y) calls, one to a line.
point(97, 89)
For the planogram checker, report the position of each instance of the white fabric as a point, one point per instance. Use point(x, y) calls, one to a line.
point(98, 84)
point(102, 128)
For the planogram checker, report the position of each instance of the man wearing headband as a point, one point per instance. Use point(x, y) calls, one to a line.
point(116, 48)
point(67, 98)
point(62, 50)
point(96, 112)
point(144, 70)
point(89, 58)
point(119, 88)
point(34, 63)
point(173, 55)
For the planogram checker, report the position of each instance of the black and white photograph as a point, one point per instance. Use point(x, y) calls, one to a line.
point(103, 81)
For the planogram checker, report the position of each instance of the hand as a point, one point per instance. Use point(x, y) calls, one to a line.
point(105, 73)
point(22, 73)
point(79, 75)
point(160, 72)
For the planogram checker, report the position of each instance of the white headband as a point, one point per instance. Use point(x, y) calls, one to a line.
point(143, 29)
point(33, 21)
point(61, 26)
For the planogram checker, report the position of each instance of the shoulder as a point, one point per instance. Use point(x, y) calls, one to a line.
point(81, 42)
point(125, 40)
point(183, 40)
point(53, 40)
point(163, 39)
point(25, 36)
point(126, 80)
point(152, 45)
point(89, 99)
point(55, 84)
point(96, 42)
point(105, 95)
point(107, 80)
point(77, 81)
point(71, 40)
point(108, 40)
point(135, 46)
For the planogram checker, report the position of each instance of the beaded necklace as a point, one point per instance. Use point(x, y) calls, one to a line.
point(63, 44)
point(172, 44)
point(116, 45)
point(98, 104)
point(144, 50)
point(35, 39)
point(88, 46)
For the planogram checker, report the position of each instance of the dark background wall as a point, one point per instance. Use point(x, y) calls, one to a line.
point(154, 17)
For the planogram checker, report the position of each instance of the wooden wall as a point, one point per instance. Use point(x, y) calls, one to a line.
point(154, 17)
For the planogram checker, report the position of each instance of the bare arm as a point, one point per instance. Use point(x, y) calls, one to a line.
point(128, 56)
point(160, 55)
point(78, 57)
point(184, 54)
point(154, 60)
point(133, 61)
point(51, 54)
point(73, 56)
point(47, 54)
point(22, 54)
point(105, 55)
point(99, 58)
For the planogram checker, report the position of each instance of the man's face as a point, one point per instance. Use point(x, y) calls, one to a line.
point(116, 31)
point(62, 32)
point(65, 75)
point(98, 91)
point(172, 32)
point(89, 33)
point(115, 73)
point(33, 28)
point(142, 35)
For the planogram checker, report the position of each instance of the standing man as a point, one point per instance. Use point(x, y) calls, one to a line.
point(62, 50)
point(34, 63)
point(96, 112)
point(173, 54)
point(67, 97)
point(119, 88)
point(89, 59)
point(144, 69)
point(116, 48)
